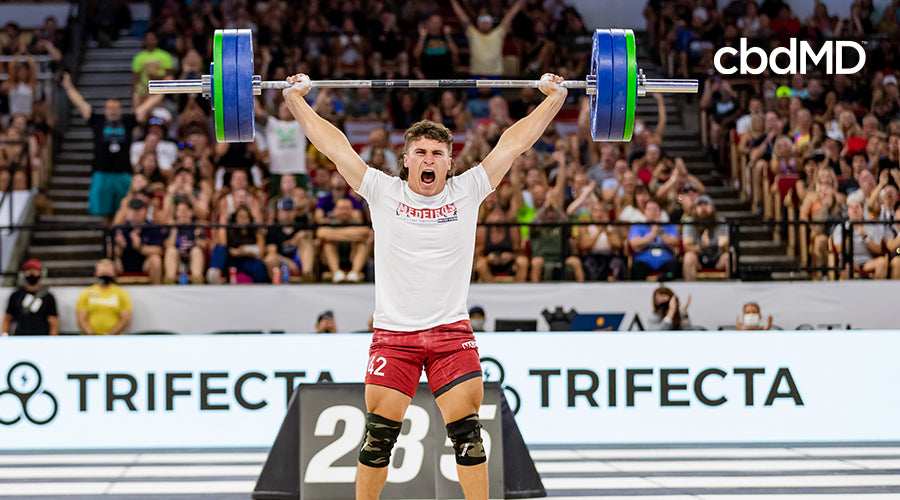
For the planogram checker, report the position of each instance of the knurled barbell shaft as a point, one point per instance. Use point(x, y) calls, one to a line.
point(196, 86)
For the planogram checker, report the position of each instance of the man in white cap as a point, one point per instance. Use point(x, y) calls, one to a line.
point(485, 40)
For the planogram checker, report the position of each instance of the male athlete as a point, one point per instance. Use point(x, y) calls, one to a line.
point(424, 225)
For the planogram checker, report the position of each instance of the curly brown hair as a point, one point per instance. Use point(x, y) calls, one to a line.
point(426, 129)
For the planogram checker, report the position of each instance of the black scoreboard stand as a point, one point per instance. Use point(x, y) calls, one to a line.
point(314, 455)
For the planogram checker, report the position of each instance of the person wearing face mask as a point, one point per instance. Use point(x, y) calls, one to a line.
point(31, 309)
point(751, 319)
point(103, 308)
point(667, 315)
point(476, 318)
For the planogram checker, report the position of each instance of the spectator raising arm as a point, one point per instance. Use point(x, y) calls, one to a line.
point(85, 109)
point(81, 105)
point(520, 136)
point(507, 20)
point(461, 13)
point(322, 134)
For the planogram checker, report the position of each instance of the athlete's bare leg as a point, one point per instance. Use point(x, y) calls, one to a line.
point(390, 404)
point(459, 402)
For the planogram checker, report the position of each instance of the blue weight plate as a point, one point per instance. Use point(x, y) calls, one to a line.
point(602, 64)
point(246, 109)
point(230, 100)
point(620, 85)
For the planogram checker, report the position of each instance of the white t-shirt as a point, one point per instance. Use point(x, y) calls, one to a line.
point(287, 147)
point(423, 248)
point(166, 153)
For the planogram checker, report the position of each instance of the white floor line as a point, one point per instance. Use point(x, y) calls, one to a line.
point(734, 465)
point(182, 488)
point(846, 481)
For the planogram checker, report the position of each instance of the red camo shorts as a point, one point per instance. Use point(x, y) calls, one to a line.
point(448, 354)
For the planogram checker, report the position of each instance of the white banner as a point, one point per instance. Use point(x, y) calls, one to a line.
point(841, 305)
point(592, 388)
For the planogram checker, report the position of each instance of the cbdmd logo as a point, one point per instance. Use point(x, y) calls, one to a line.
point(24, 396)
point(800, 58)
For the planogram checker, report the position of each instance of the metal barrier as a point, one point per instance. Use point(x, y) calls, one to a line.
point(830, 263)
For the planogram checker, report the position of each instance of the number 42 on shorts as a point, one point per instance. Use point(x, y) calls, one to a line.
point(376, 365)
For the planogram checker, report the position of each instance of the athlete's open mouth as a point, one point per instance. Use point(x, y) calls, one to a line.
point(427, 176)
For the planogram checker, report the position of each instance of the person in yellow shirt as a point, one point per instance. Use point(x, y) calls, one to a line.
point(104, 308)
point(151, 63)
point(486, 41)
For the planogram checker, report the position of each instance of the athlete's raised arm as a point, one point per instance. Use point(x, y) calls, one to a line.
point(524, 133)
point(327, 138)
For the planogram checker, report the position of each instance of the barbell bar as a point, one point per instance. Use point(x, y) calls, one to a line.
point(613, 85)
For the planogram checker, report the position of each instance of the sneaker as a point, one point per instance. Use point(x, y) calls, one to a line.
point(338, 277)
point(353, 277)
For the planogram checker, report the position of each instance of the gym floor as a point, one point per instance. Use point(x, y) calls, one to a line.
point(832, 471)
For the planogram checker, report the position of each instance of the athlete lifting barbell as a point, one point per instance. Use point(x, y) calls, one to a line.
point(424, 225)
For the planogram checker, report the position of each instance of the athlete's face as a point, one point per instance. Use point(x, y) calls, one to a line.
point(428, 162)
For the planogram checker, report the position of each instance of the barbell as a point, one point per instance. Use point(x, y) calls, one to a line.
point(614, 83)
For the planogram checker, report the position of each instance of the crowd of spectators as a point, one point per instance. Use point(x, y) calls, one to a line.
point(181, 207)
point(27, 119)
point(814, 147)
point(275, 209)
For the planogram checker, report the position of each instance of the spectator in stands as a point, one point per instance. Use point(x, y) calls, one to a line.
point(239, 192)
point(349, 49)
point(634, 208)
point(389, 59)
point(822, 206)
point(892, 160)
point(705, 241)
point(16, 162)
point(104, 308)
point(111, 176)
point(138, 243)
point(183, 187)
point(585, 198)
point(671, 182)
point(601, 247)
point(151, 63)
point(485, 40)
point(498, 249)
point(667, 312)
point(892, 244)
point(406, 110)
point(363, 105)
point(449, 111)
point(31, 309)
point(338, 190)
point(344, 247)
point(325, 323)
point(148, 166)
point(720, 100)
point(605, 167)
point(155, 141)
point(654, 246)
point(288, 246)
point(551, 256)
point(866, 240)
point(476, 318)
point(287, 146)
point(185, 246)
point(858, 164)
point(435, 49)
point(883, 198)
point(378, 140)
point(21, 86)
point(243, 248)
point(751, 318)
